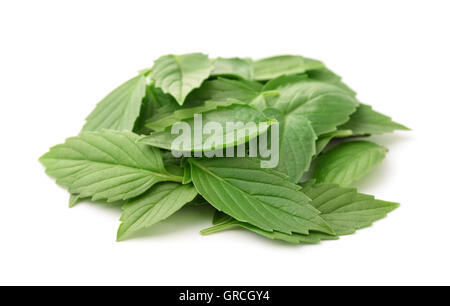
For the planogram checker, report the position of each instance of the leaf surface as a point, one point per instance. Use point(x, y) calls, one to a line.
point(157, 204)
point(178, 75)
point(262, 197)
point(297, 144)
point(107, 165)
point(120, 109)
point(236, 67)
point(348, 162)
point(222, 138)
point(324, 105)
point(273, 67)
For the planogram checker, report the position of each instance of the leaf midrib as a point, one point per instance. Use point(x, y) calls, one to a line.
point(167, 176)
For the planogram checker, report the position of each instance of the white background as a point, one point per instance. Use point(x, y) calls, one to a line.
point(59, 58)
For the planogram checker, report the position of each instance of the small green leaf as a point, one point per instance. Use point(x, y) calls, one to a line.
point(120, 109)
point(273, 67)
point(262, 197)
point(157, 204)
point(366, 121)
point(348, 162)
point(106, 165)
point(236, 67)
point(178, 75)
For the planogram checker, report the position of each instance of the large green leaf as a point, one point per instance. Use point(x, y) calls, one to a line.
point(120, 109)
point(236, 67)
point(157, 204)
point(106, 165)
point(262, 197)
point(212, 141)
point(178, 75)
point(344, 209)
point(273, 67)
point(366, 121)
point(348, 162)
point(326, 106)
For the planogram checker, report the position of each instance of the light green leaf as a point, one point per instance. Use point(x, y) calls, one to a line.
point(120, 109)
point(157, 204)
point(366, 121)
point(273, 67)
point(216, 140)
point(233, 67)
point(262, 197)
point(344, 209)
point(106, 165)
point(178, 75)
point(348, 162)
point(324, 105)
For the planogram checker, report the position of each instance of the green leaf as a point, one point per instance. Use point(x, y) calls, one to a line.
point(324, 140)
point(120, 109)
point(222, 89)
point(305, 109)
point(348, 162)
point(297, 144)
point(106, 165)
point(273, 67)
point(236, 67)
point(157, 204)
point(324, 105)
point(214, 141)
point(262, 197)
point(344, 209)
point(366, 121)
point(185, 113)
point(178, 75)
